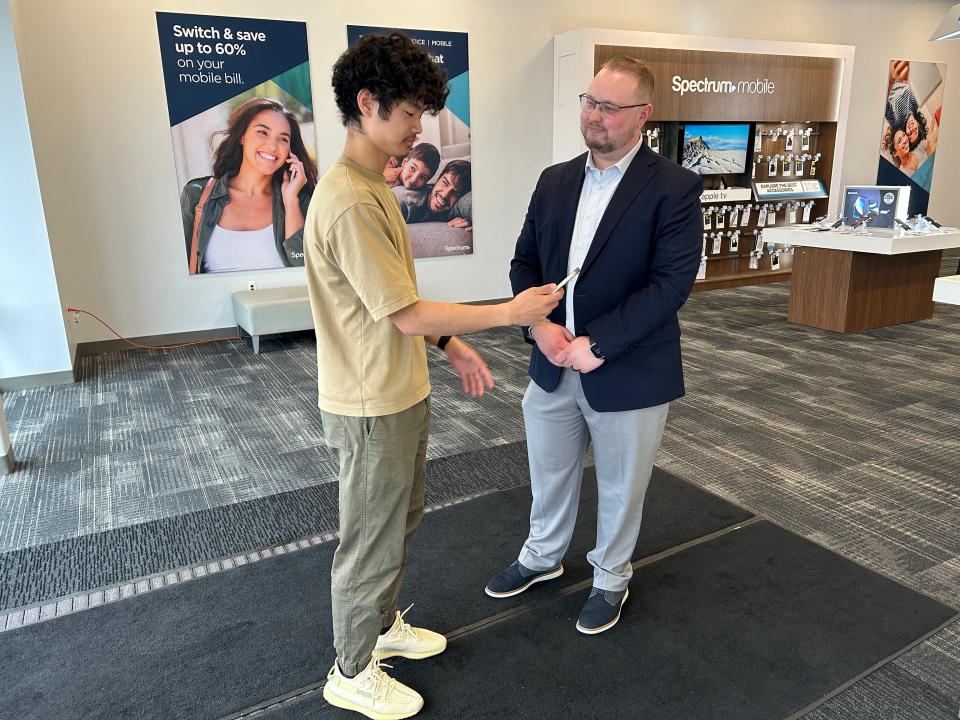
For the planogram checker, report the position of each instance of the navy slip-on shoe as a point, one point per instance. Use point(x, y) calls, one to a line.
point(601, 611)
point(517, 578)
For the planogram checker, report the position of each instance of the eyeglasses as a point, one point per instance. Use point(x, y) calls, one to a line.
point(608, 110)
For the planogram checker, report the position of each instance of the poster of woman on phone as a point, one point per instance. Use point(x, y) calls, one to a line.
point(241, 121)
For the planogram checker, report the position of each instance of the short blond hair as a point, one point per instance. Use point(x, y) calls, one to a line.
point(632, 66)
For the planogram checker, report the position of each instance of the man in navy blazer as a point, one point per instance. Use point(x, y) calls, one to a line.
point(606, 362)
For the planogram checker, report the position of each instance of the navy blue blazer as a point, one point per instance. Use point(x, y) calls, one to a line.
point(638, 272)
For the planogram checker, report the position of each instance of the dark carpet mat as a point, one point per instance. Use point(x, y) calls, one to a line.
point(758, 623)
point(464, 549)
point(213, 646)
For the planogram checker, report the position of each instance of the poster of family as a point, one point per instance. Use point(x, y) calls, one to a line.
point(433, 182)
point(911, 128)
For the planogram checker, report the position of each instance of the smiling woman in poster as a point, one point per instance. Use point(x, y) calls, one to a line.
point(909, 161)
point(253, 206)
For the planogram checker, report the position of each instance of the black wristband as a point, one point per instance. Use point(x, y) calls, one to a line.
point(442, 342)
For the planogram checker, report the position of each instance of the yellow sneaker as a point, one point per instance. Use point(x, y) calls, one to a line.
point(403, 640)
point(372, 693)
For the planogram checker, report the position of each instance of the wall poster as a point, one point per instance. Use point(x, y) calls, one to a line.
point(241, 121)
point(433, 182)
point(911, 128)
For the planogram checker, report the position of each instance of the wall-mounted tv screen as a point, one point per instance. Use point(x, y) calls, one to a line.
point(715, 149)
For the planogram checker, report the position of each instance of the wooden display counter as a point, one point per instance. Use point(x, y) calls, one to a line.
point(849, 282)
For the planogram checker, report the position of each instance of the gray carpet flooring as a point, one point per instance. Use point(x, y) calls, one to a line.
point(848, 440)
point(44, 573)
point(144, 436)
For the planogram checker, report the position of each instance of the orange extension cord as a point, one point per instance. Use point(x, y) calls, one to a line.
point(138, 345)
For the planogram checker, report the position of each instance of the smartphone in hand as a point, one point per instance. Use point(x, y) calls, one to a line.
point(568, 278)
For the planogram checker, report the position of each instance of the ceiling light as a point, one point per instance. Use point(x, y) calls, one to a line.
point(950, 26)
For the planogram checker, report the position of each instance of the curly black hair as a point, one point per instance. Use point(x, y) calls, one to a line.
point(890, 145)
point(394, 69)
point(921, 127)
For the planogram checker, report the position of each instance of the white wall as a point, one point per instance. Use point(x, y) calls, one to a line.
point(32, 336)
point(95, 96)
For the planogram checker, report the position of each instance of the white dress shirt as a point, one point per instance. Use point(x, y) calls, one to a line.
point(598, 188)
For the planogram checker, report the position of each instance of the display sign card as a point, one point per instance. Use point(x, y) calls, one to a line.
point(731, 194)
point(789, 190)
point(882, 203)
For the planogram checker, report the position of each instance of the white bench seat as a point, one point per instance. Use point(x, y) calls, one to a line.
point(271, 310)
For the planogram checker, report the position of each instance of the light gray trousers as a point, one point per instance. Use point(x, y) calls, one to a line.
point(558, 426)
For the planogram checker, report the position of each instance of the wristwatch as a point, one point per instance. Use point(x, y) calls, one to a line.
point(597, 353)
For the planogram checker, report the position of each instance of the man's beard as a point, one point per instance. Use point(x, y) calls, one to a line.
point(603, 147)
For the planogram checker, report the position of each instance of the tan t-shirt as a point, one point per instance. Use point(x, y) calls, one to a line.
point(359, 266)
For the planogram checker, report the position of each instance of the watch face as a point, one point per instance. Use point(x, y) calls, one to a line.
point(596, 351)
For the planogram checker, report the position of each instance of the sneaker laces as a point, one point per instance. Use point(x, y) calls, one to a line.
point(381, 682)
point(405, 628)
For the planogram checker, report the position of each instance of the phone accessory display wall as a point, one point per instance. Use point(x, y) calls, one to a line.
point(761, 121)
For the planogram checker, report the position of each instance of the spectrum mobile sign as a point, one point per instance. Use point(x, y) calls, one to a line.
point(706, 85)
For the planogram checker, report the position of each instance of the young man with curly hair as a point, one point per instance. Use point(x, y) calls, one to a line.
point(372, 366)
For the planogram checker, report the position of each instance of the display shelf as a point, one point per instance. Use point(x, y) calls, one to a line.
point(743, 279)
point(876, 242)
point(817, 153)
